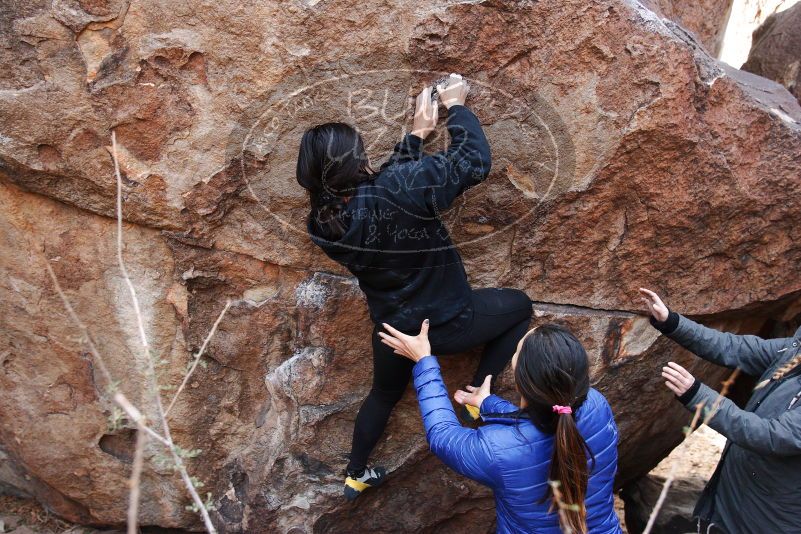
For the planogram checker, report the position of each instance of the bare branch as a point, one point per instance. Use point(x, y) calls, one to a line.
point(137, 417)
point(134, 481)
point(143, 430)
point(118, 397)
point(726, 385)
point(139, 320)
point(121, 401)
point(101, 364)
point(179, 464)
point(197, 357)
point(561, 506)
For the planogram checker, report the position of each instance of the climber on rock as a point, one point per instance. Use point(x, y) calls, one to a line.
point(756, 486)
point(385, 228)
point(563, 430)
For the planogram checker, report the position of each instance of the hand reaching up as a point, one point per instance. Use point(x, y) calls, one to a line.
point(426, 114)
point(455, 92)
point(654, 304)
point(677, 378)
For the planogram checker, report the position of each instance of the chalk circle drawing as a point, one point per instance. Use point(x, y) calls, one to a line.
point(533, 157)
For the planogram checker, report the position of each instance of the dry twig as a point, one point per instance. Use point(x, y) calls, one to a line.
point(179, 464)
point(726, 385)
point(134, 480)
point(134, 414)
point(561, 506)
point(199, 355)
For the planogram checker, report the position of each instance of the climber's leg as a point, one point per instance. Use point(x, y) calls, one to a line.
point(391, 374)
point(496, 318)
point(508, 312)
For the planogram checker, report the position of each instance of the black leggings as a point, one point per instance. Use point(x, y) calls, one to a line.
point(496, 317)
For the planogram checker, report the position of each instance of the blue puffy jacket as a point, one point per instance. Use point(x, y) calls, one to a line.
point(512, 456)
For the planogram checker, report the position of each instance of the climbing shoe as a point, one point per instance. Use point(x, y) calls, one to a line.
point(470, 413)
point(356, 483)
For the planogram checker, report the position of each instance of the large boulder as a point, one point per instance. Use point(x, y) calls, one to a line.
point(623, 156)
point(776, 50)
point(689, 467)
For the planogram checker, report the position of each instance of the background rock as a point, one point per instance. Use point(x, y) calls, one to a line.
point(707, 19)
point(623, 156)
point(690, 466)
point(676, 515)
point(776, 52)
point(746, 17)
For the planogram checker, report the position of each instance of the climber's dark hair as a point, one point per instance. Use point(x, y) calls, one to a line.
point(553, 369)
point(331, 163)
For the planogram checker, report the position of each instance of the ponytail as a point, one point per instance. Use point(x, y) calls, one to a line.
point(552, 375)
point(782, 371)
point(569, 468)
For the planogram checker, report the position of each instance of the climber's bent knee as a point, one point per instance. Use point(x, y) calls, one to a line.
point(519, 299)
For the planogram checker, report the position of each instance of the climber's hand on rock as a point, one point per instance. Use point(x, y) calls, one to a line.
point(426, 114)
point(654, 304)
point(455, 93)
point(474, 395)
point(678, 380)
point(413, 347)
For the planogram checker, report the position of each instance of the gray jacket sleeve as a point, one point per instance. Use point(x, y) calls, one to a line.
point(752, 354)
point(779, 436)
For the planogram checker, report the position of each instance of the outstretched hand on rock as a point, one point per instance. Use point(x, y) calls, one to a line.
point(654, 304)
point(413, 347)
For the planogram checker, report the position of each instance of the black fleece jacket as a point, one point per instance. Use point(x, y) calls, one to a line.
point(396, 245)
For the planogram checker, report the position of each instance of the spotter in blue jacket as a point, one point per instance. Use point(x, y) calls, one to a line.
point(511, 455)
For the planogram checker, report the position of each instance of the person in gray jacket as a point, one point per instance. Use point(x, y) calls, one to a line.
point(756, 487)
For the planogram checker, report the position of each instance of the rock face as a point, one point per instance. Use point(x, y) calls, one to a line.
point(776, 52)
point(623, 156)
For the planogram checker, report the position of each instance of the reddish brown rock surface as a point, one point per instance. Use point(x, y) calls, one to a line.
point(622, 156)
point(776, 50)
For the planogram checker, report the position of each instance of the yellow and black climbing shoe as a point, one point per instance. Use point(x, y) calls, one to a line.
point(470, 413)
point(356, 483)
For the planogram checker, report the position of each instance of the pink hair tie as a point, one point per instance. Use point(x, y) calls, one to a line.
point(562, 409)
